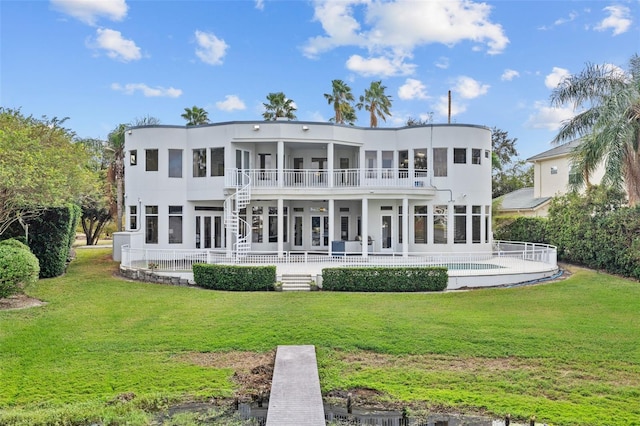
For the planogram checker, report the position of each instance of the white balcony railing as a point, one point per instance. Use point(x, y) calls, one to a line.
point(338, 178)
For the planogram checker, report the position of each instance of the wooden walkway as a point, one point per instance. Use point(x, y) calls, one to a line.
point(295, 398)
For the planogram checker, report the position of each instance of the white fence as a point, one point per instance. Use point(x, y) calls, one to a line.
point(507, 257)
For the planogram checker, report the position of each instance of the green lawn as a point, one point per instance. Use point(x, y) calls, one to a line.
point(568, 352)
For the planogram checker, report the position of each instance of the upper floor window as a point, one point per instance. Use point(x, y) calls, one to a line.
point(199, 162)
point(151, 160)
point(175, 163)
point(475, 156)
point(420, 160)
point(217, 161)
point(133, 157)
point(440, 162)
point(459, 155)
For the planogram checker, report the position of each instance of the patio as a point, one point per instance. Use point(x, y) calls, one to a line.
point(509, 263)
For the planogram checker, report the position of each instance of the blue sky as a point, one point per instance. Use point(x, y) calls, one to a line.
point(104, 62)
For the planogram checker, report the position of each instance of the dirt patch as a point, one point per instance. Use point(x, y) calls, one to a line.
point(19, 301)
point(252, 371)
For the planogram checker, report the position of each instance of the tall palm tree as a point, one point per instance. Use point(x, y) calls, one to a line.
point(278, 107)
point(376, 102)
point(341, 98)
point(610, 126)
point(115, 145)
point(195, 116)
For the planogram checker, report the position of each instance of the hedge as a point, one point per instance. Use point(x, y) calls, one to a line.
point(18, 267)
point(385, 279)
point(234, 278)
point(51, 236)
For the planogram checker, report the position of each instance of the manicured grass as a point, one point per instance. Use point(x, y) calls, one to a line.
point(568, 352)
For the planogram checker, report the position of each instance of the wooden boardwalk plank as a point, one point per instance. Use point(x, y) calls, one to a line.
point(295, 389)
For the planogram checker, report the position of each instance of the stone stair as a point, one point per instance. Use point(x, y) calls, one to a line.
point(296, 282)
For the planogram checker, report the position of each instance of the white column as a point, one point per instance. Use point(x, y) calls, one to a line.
point(330, 165)
point(280, 227)
point(280, 166)
point(331, 214)
point(365, 227)
point(405, 227)
point(362, 165)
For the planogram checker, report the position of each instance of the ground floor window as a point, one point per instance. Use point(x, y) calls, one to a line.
point(400, 224)
point(420, 219)
point(175, 224)
point(273, 224)
point(256, 224)
point(133, 217)
point(440, 218)
point(460, 224)
point(476, 220)
point(151, 224)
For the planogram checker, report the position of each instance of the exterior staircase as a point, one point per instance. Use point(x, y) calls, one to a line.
point(232, 206)
point(296, 282)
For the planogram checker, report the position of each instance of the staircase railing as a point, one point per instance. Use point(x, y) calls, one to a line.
point(232, 221)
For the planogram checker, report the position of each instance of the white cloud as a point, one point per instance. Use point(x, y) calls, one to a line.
point(115, 45)
point(88, 11)
point(260, 4)
point(619, 19)
point(547, 117)
point(401, 25)
point(211, 49)
point(509, 75)
point(149, 92)
point(468, 88)
point(442, 107)
point(412, 89)
point(442, 63)
point(572, 16)
point(557, 75)
point(380, 66)
point(231, 103)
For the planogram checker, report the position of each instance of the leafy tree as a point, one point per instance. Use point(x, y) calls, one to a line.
point(40, 167)
point(508, 173)
point(516, 176)
point(376, 102)
point(278, 107)
point(411, 121)
point(195, 116)
point(609, 126)
point(96, 211)
point(341, 98)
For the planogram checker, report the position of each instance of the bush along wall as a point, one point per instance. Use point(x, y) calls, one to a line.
point(18, 267)
point(530, 229)
point(50, 237)
point(385, 279)
point(234, 278)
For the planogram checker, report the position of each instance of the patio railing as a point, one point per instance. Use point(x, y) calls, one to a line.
point(518, 257)
point(337, 178)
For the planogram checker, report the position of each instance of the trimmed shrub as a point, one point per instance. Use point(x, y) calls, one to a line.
point(234, 278)
point(51, 236)
point(385, 279)
point(18, 267)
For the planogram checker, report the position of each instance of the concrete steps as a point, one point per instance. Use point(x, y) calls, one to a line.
point(296, 282)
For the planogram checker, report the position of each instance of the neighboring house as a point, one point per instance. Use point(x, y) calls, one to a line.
point(551, 170)
point(289, 186)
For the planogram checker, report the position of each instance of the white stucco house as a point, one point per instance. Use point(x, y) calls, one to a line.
point(291, 186)
point(304, 196)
